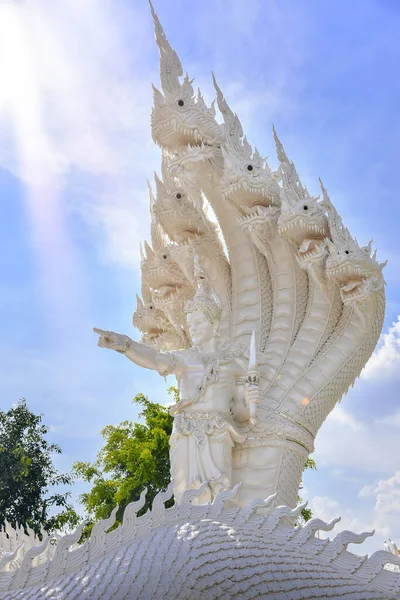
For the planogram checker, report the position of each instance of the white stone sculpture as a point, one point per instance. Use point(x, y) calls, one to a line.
point(204, 428)
point(263, 342)
point(204, 552)
point(294, 279)
point(392, 547)
point(16, 542)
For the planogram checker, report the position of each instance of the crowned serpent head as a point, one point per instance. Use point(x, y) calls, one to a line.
point(178, 117)
point(160, 272)
point(302, 220)
point(350, 265)
point(247, 179)
point(156, 329)
point(176, 213)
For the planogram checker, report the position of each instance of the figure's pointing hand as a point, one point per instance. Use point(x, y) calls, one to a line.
point(109, 339)
point(101, 332)
point(105, 337)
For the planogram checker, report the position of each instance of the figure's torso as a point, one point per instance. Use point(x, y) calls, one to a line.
point(217, 394)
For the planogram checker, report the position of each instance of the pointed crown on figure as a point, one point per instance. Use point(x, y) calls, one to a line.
point(204, 300)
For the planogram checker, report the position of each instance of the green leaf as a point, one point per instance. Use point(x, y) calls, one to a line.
point(27, 473)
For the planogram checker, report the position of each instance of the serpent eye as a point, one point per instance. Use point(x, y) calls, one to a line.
point(151, 307)
point(305, 207)
point(181, 102)
point(346, 252)
point(165, 256)
point(178, 196)
point(249, 167)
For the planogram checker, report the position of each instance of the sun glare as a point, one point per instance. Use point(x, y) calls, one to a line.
point(22, 113)
point(19, 97)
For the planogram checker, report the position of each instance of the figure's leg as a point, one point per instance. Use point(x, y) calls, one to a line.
point(221, 454)
point(195, 478)
point(179, 451)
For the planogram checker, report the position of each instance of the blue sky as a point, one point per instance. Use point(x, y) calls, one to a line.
point(75, 153)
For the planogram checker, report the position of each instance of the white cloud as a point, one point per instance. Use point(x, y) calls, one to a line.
point(120, 222)
point(370, 445)
point(325, 508)
point(393, 420)
point(385, 361)
point(341, 417)
point(346, 443)
point(87, 91)
point(383, 516)
point(357, 521)
point(387, 505)
point(357, 450)
point(75, 102)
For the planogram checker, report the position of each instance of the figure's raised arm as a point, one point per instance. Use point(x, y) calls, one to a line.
point(140, 354)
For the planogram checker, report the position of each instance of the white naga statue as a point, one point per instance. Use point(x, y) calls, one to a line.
point(212, 394)
point(266, 311)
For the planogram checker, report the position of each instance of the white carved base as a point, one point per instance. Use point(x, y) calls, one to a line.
point(206, 552)
point(285, 462)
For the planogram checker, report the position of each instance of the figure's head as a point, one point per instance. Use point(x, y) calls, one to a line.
point(201, 330)
point(203, 311)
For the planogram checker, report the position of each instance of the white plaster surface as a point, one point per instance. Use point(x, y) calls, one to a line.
point(205, 552)
point(266, 320)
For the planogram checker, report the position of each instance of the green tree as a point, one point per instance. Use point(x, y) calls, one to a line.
point(134, 456)
point(306, 513)
point(27, 473)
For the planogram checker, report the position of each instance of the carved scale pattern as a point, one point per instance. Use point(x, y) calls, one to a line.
point(311, 330)
point(303, 290)
point(283, 266)
point(342, 323)
point(291, 468)
point(322, 405)
point(334, 316)
point(242, 256)
point(266, 299)
point(206, 552)
point(11, 538)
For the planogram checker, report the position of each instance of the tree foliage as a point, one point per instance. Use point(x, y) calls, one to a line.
point(134, 456)
point(27, 473)
point(306, 513)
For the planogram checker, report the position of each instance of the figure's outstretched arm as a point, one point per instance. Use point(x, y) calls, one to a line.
point(140, 354)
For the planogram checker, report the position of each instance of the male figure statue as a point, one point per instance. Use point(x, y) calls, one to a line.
point(204, 428)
